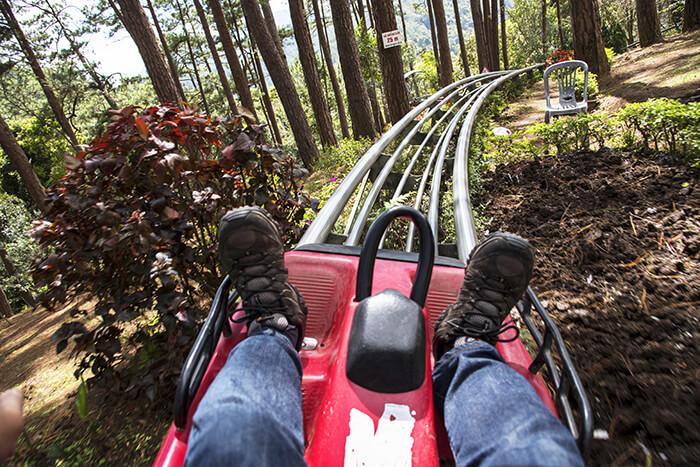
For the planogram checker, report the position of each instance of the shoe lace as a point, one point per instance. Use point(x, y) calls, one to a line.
point(246, 277)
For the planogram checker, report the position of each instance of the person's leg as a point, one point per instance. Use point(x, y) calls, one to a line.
point(251, 414)
point(492, 414)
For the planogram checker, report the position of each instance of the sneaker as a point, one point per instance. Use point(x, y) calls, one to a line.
point(251, 251)
point(497, 274)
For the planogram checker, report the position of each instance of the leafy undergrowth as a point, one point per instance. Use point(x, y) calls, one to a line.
point(618, 242)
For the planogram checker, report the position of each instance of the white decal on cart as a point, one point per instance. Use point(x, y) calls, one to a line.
point(390, 445)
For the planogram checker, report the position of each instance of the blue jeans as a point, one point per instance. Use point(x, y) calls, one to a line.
point(251, 414)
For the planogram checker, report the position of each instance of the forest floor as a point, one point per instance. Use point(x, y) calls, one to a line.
point(619, 256)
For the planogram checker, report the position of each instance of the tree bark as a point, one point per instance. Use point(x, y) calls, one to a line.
point(140, 30)
point(239, 77)
point(543, 20)
point(166, 51)
point(482, 51)
point(460, 36)
point(403, 23)
point(283, 82)
point(504, 42)
point(560, 29)
point(391, 62)
point(19, 161)
point(12, 271)
point(326, 50)
point(445, 74)
point(217, 60)
point(266, 97)
point(493, 41)
point(588, 39)
point(5, 308)
point(691, 15)
point(39, 73)
point(433, 36)
point(355, 87)
point(308, 65)
point(648, 22)
point(272, 27)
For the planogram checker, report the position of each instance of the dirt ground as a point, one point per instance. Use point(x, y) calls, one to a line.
point(618, 243)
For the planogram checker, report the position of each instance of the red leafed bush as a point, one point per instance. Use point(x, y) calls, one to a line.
point(132, 230)
point(560, 55)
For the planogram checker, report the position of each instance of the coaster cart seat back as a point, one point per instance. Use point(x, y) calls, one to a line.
point(366, 358)
point(565, 75)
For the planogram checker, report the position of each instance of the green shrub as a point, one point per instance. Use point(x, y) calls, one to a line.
point(15, 223)
point(133, 224)
point(592, 86)
point(337, 160)
point(571, 133)
point(609, 54)
point(663, 124)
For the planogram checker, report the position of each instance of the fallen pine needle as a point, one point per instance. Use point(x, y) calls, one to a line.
point(575, 232)
point(634, 229)
point(636, 261)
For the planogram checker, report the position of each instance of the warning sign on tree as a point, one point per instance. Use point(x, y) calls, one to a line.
point(392, 38)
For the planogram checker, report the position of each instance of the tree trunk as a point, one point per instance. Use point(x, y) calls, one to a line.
point(445, 73)
point(482, 51)
point(691, 15)
point(543, 23)
point(308, 65)
point(648, 22)
point(283, 82)
point(376, 109)
point(166, 51)
point(326, 50)
point(403, 23)
point(39, 73)
point(504, 42)
point(493, 41)
point(560, 29)
point(12, 271)
point(136, 23)
point(460, 36)
point(266, 96)
point(239, 77)
point(588, 39)
point(355, 87)
point(215, 56)
point(391, 62)
point(433, 36)
point(272, 27)
point(5, 308)
point(197, 79)
point(20, 162)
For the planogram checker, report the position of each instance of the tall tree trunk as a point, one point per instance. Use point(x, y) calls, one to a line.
point(482, 51)
point(12, 271)
point(272, 27)
point(215, 56)
point(493, 41)
point(283, 82)
point(326, 50)
point(648, 22)
point(403, 23)
point(39, 73)
point(445, 74)
point(266, 97)
point(543, 20)
point(197, 79)
point(433, 36)
point(136, 23)
point(166, 51)
point(239, 77)
point(391, 62)
point(19, 161)
point(308, 65)
point(355, 87)
point(460, 36)
point(691, 15)
point(5, 308)
point(376, 108)
point(370, 14)
point(559, 28)
point(504, 42)
point(588, 39)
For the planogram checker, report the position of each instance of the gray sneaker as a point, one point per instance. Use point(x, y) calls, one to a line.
point(497, 274)
point(251, 251)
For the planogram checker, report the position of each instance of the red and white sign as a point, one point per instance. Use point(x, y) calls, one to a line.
point(392, 38)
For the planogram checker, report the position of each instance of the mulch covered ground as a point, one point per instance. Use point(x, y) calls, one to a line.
point(618, 244)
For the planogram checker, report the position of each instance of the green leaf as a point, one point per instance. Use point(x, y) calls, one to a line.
point(81, 400)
